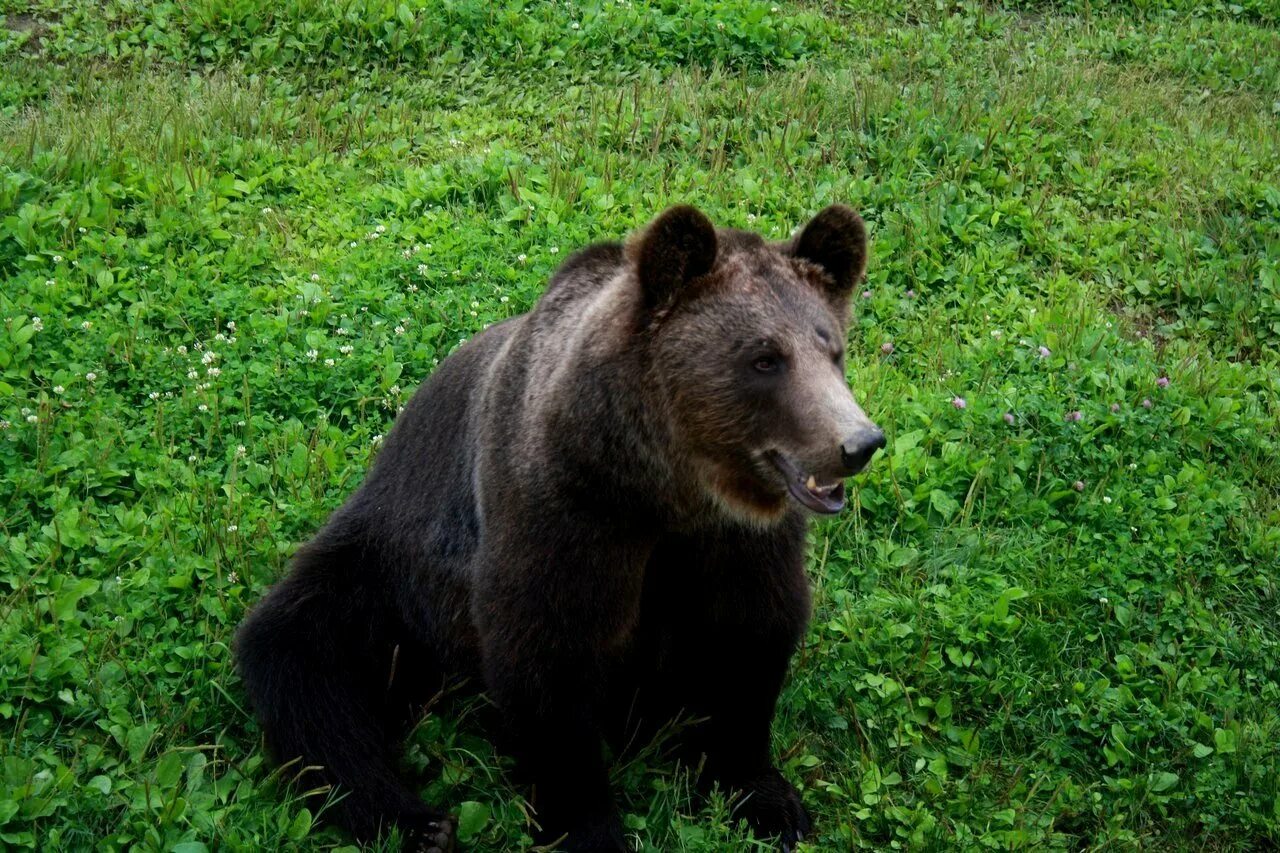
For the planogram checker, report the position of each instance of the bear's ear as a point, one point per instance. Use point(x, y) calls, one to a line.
point(835, 240)
point(676, 248)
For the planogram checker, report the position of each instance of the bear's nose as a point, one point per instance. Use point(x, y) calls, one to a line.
point(856, 450)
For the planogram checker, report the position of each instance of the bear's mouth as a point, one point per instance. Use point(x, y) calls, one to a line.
point(822, 499)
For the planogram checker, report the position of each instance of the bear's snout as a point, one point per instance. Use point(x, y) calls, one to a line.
point(856, 450)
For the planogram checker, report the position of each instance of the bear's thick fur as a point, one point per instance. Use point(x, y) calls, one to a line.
point(596, 511)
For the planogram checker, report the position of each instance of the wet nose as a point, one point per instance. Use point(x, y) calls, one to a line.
point(856, 450)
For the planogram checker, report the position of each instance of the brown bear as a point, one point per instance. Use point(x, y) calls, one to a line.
point(597, 512)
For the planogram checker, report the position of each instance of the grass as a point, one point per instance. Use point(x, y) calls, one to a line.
point(247, 231)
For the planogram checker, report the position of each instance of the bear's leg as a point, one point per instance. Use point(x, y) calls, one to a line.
point(332, 687)
point(557, 749)
point(735, 605)
point(550, 610)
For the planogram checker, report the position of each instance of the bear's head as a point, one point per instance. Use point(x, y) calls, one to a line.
point(746, 346)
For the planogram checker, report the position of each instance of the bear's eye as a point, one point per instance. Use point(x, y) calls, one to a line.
point(767, 364)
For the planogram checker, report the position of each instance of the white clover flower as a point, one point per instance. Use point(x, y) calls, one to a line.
point(232, 528)
point(232, 577)
point(202, 407)
point(312, 354)
point(353, 244)
point(997, 334)
point(191, 458)
point(154, 395)
point(193, 374)
point(504, 299)
point(58, 389)
point(220, 338)
point(575, 25)
point(422, 269)
point(346, 349)
point(413, 288)
point(31, 419)
point(213, 371)
point(555, 250)
point(57, 259)
point(25, 411)
point(266, 211)
point(328, 362)
point(48, 282)
point(199, 346)
point(86, 325)
point(522, 257)
point(4, 425)
point(37, 324)
point(380, 229)
point(394, 390)
point(1106, 499)
point(399, 330)
point(209, 358)
point(182, 349)
point(231, 325)
point(376, 440)
point(91, 376)
point(343, 331)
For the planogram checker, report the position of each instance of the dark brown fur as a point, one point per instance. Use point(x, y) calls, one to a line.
point(579, 510)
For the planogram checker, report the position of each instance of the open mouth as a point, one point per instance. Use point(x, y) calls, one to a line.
point(825, 499)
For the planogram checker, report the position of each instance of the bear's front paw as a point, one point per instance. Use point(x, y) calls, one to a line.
point(771, 806)
point(429, 835)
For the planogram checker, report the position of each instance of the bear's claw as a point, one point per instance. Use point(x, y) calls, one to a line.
point(430, 836)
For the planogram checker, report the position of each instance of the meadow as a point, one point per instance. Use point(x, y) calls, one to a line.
point(235, 235)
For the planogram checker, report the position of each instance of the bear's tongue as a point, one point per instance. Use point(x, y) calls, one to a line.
point(825, 500)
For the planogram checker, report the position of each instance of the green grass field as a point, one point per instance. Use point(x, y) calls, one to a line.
point(234, 236)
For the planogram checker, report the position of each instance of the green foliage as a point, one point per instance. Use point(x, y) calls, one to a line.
point(234, 235)
point(350, 35)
